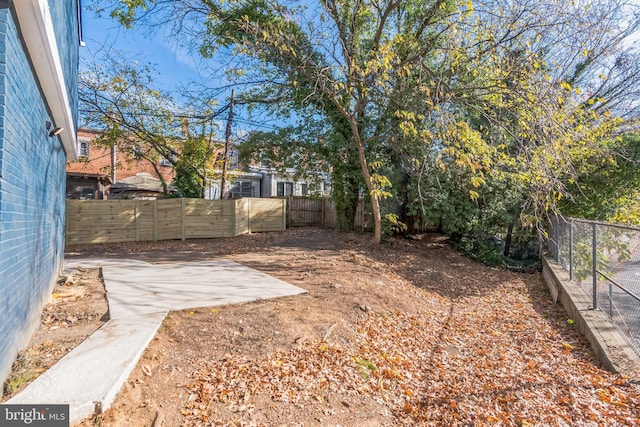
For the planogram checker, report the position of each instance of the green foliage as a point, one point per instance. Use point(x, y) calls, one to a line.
point(612, 247)
point(365, 367)
point(392, 225)
point(306, 149)
point(192, 165)
point(607, 186)
point(118, 99)
point(490, 118)
point(484, 251)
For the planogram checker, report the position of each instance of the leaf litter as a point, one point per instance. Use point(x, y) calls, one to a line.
point(441, 340)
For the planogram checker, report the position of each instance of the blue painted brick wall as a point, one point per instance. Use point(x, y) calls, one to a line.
point(32, 184)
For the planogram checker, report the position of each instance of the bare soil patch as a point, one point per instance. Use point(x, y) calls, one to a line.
point(409, 333)
point(77, 308)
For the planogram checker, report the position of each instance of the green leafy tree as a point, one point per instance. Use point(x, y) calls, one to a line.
point(302, 149)
point(507, 159)
point(607, 188)
point(512, 92)
point(194, 165)
point(117, 97)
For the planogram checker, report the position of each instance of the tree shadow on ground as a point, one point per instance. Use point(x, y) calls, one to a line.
point(427, 262)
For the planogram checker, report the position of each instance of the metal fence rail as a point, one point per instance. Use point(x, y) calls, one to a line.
point(605, 259)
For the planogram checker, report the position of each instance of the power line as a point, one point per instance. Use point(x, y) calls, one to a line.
point(179, 116)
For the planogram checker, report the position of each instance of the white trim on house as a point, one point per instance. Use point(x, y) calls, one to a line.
point(36, 24)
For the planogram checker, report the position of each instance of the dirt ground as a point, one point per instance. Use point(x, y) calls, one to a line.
point(77, 308)
point(409, 333)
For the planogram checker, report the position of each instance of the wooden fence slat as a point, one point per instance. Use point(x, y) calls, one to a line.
point(93, 221)
point(321, 212)
point(135, 218)
point(105, 221)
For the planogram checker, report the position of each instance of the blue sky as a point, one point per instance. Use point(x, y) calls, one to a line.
point(173, 66)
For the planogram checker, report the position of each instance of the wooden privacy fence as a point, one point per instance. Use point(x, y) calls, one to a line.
point(305, 212)
point(112, 221)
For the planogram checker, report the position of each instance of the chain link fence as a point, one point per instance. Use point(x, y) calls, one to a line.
point(605, 260)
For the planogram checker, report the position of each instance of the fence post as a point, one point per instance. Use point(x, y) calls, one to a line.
point(234, 220)
point(557, 241)
point(136, 210)
point(594, 259)
point(571, 249)
point(183, 218)
point(155, 220)
point(284, 213)
point(249, 215)
point(322, 213)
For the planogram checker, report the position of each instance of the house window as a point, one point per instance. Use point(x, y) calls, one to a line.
point(168, 161)
point(305, 189)
point(137, 151)
point(284, 189)
point(265, 162)
point(242, 189)
point(245, 189)
point(83, 150)
point(233, 160)
point(86, 193)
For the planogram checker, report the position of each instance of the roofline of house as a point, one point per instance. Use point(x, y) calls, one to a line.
point(119, 190)
point(235, 174)
point(88, 130)
point(79, 9)
point(90, 175)
point(37, 30)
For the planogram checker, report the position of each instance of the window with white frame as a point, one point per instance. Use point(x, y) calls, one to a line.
point(242, 189)
point(83, 149)
point(265, 162)
point(284, 189)
point(233, 160)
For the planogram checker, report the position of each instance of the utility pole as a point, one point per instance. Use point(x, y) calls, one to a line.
point(225, 159)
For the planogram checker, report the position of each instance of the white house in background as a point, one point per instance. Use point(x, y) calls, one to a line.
point(264, 181)
point(239, 184)
point(277, 183)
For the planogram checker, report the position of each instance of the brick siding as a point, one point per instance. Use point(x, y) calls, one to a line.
point(32, 186)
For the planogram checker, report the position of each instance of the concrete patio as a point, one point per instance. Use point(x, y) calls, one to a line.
point(140, 295)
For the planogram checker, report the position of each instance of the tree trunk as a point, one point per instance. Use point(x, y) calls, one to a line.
point(375, 202)
point(345, 198)
point(507, 241)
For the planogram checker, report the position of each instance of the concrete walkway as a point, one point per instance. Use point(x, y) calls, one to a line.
point(140, 295)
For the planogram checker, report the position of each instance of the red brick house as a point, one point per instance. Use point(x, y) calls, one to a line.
point(99, 167)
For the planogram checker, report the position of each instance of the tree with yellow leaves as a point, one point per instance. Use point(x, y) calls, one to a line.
point(512, 91)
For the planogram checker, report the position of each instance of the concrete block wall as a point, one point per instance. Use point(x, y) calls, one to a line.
point(32, 193)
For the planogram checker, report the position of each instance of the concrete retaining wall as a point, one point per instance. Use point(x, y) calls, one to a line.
point(606, 341)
